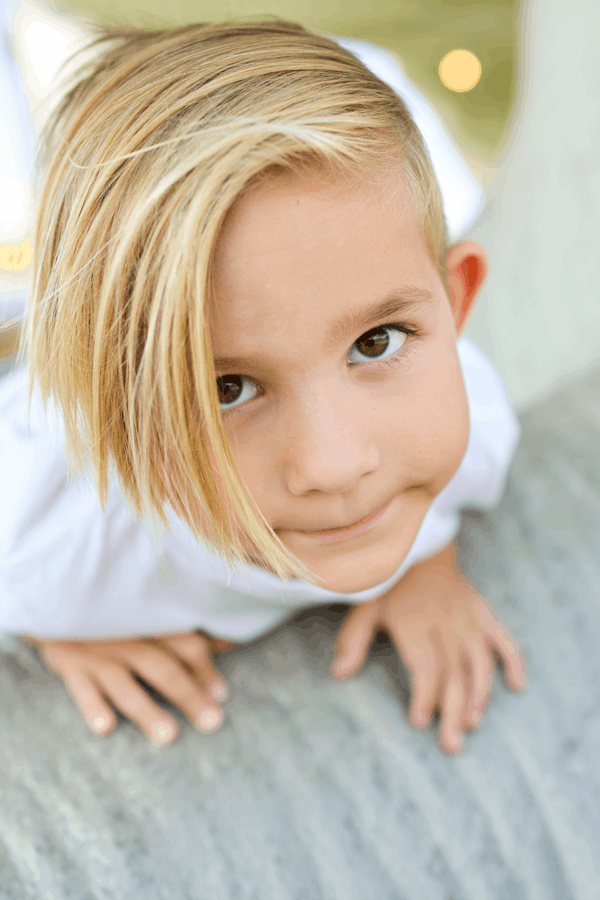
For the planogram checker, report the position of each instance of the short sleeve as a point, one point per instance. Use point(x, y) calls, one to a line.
point(481, 478)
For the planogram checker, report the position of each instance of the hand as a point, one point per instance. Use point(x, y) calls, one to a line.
point(447, 636)
point(179, 666)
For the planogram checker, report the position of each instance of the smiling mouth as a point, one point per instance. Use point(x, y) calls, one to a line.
point(334, 534)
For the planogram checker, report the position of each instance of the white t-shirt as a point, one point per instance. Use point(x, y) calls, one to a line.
point(68, 570)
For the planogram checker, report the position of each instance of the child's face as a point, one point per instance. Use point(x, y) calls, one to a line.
point(348, 401)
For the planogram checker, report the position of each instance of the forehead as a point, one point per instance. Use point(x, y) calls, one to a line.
point(296, 249)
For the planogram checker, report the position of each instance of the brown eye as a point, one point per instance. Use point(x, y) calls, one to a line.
point(234, 390)
point(230, 388)
point(377, 343)
point(373, 342)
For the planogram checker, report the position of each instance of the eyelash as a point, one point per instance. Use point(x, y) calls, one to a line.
point(390, 362)
point(399, 356)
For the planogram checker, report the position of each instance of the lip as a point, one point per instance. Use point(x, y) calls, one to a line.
point(332, 535)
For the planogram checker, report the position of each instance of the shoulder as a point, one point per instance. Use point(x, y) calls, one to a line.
point(487, 396)
point(494, 433)
point(39, 493)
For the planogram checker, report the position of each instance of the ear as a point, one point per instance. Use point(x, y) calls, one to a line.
point(466, 270)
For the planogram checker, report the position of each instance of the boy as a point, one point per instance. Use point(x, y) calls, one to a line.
point(247, 208)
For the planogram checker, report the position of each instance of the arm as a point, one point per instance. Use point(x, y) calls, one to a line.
point(447, 636)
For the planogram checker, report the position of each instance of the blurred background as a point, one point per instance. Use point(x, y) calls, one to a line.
point(515, 84)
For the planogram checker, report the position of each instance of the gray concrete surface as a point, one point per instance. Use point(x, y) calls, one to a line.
point(319, 790)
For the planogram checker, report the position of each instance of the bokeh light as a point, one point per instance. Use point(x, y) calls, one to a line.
point(459, 70)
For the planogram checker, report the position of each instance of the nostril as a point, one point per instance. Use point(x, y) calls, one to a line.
point(332, 467)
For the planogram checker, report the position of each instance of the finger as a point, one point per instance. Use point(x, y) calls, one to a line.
point(196, 651)
point(452, 712)
point(482, 673)
point(424, 667)
point(86, 695)
point(168, 676)
point(354, 639)
point(124, 692)
point(220, 646)
point(508, 650)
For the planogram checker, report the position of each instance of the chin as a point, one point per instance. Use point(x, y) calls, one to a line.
point(357, 573)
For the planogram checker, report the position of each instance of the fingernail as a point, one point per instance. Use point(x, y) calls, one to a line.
point(456, 743)
point(338, 668)
point(162, 735)
point(99, 723)
point(209, 720)
point(219, 692)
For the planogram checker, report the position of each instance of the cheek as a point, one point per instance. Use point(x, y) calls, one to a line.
point(222, 491)
point(256, 470)
point(431, 432)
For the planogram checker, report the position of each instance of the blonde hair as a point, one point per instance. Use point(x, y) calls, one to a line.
point(155, 138)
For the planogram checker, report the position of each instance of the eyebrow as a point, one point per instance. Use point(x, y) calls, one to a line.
point(403, 301)
point(231, 364)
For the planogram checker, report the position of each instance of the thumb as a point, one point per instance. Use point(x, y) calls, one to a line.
point(354, 639)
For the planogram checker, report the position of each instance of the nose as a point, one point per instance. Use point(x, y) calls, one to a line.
point(329, 448)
